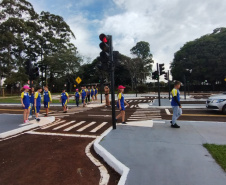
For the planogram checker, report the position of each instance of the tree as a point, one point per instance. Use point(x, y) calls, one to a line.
point(205, 57)
point(144, 56)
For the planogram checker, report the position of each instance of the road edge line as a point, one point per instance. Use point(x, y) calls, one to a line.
point(104, 175)
point(119, 167)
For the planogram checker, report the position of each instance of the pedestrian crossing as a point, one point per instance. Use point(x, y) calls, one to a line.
point(145, 114)
point(139, 101)
point(75, 126)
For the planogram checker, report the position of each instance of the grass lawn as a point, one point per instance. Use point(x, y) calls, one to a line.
point(218, 152)
point(16, 99)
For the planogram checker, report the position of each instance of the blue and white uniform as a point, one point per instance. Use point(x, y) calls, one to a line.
point(26, 100)
point(38, 102)
point(47, 98)
point(83, 95)
point(121, 99)
point(64, 97)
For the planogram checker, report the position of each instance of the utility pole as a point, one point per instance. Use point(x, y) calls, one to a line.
point(169, 83)
point(158, 85)
point(184, 87)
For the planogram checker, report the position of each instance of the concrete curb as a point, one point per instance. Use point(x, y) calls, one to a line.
point(28, 127)
point(110, 159)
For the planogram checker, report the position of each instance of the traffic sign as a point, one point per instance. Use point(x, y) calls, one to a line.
point(225, 79)
point(78, 80)
point(74, 85)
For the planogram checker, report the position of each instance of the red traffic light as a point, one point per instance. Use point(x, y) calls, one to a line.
point(103, 38)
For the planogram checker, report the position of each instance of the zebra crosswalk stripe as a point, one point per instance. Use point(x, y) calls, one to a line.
point(59, 122)
point(99, 127)
point(63, 125)
point(89, 125)
point(76, 125)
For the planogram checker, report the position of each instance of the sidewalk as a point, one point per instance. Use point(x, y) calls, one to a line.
point(164, 156)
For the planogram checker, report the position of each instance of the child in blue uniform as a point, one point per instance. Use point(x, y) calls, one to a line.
point(175, 103)
point(88, 92)
point(96, 92)
point(47, 99)
point(77, 94)
point(37, 101)
point(92, 93)
point(32, 99)
point(64, 99)
point(25, 101)
point(83, 96)
point(120, 104)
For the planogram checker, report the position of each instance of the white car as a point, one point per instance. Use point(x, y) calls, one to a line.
point(217, 102)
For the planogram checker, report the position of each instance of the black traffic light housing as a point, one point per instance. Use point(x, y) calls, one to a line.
point(155, 75)
point(161, 69)
point(166, 76)
point(104, 46)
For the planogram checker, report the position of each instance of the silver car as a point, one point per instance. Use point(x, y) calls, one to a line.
point(217, 102)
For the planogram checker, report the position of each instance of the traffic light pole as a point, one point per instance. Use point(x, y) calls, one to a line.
point(169, 83)
point(112, 84)
point(158, 85)
point(184, 87)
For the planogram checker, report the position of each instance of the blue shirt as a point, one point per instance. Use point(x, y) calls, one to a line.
point(121, 99)
point(47, 96)
point(83, 93)
point(26, 98)
point(38, 99)
point(175, 92)
point(77, 94)
point(32, 97)
point(64, 96)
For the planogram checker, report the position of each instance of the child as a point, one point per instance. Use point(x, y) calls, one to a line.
point(37, 101)
point(25, 101)
point(120, 104)
point(77, 94)
point(64, 99)
point(88, 95)
point(47, 99)
point(92, 93)
point(96, 92)
point(32, 95)
point(175, 103)
point(106, 91)
point(83, 96)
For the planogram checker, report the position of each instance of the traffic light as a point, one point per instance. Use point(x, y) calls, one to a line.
point(161, 69)
point(166, 76)
point(28, 66)
point(155, 75)
point(105, 47)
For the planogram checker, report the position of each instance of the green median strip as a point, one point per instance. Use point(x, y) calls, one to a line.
point(218, 152)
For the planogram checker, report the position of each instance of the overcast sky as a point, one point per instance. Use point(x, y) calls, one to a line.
point(166, 25)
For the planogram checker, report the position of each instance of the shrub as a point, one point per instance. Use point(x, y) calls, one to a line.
point(142, 88)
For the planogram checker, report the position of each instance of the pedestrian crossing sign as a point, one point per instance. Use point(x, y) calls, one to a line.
point(225, 79)
point(74, 85)
point(78, 80)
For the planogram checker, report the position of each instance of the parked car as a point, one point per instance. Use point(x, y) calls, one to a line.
point(217, 102)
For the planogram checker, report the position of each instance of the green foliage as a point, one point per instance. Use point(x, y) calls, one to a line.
point(206, 57)
point(142, 88)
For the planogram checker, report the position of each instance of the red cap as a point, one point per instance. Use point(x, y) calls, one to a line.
point(121, 87)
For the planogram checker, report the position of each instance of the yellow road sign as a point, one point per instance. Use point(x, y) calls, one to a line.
point(78, 80)
point(225, 79)
point(74, 85)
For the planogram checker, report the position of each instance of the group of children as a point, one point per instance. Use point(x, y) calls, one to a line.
point(85, 94)
point(31, 100)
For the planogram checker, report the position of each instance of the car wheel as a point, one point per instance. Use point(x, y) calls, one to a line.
point(224, 109)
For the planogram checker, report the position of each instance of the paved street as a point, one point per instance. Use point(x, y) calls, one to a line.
point(10, 121)
point(165, 156)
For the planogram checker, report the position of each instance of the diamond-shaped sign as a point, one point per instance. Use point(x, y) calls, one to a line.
point(78, 80)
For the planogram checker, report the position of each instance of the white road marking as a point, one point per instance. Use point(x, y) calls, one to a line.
point(167, 111)
point(99, 127)
point(63, 125)
point(76, 125)
point(59, 134)
point(131, 106)
point(23, 124)
point(89, 125)
point(100, 115)
point(53, 124)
